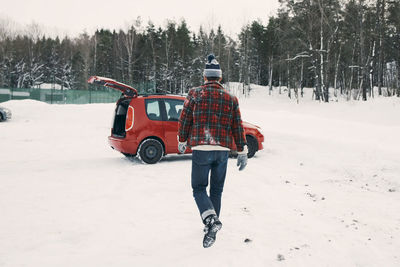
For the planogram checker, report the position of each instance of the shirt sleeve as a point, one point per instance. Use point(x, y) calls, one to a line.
point(186, 118)
point(237, 126)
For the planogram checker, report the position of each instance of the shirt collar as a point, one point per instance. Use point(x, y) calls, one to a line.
point(213, 82)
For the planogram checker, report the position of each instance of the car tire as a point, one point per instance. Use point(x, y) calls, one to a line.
point(1, 117)
point(151, 151)
point(252, 146)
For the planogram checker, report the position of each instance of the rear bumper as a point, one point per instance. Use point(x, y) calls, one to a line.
point(122, 145)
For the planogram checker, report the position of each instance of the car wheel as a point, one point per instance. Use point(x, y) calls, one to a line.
point(252, 146)
point(151, 151)
point(1, 117)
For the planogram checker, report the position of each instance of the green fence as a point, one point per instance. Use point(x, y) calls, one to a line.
point(94, 94)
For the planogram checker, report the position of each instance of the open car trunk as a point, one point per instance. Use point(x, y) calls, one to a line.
point(118, 127)
point(128, 92)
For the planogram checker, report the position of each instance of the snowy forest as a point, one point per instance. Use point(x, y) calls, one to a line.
point(350, 46)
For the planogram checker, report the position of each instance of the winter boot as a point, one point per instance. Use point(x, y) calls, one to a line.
point(212, 226)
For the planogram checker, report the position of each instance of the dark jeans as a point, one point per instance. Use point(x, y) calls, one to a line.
point(202, 163)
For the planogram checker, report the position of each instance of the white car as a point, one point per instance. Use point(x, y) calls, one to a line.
point(5, 114)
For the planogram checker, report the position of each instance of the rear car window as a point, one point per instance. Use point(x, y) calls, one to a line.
point(153, 109)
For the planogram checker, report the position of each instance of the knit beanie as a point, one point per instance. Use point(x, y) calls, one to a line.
point(212, 68)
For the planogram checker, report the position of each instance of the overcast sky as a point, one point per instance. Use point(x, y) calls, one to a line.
point(74, 16)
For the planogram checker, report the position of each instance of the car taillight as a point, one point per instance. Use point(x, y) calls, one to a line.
point(130, 117)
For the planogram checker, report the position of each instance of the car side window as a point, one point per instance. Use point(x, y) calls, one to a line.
point(153, 109)
point(173, 108)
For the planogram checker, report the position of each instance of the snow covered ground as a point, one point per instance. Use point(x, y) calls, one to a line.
point(324, 192)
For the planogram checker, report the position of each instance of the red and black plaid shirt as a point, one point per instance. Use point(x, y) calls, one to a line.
point(211, 116)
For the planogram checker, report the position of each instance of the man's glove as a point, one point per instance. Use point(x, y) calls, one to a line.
point(182, 147)
point(242, 161)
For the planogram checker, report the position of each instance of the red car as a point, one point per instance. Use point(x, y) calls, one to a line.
point(147, 125)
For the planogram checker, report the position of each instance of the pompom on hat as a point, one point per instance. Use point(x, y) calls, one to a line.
point(212, 68)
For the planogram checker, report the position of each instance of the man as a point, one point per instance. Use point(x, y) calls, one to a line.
point(209, 123)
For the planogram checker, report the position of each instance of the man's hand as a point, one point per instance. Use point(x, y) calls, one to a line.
point(242, 161)
point(182, 147)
